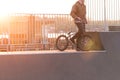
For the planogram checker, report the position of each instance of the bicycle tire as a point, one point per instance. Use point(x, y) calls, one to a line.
point(62, 42)
point(85, 43)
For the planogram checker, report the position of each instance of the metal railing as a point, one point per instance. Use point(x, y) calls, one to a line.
point(33, 31)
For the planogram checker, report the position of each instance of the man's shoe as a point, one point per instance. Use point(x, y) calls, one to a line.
point(72, 40)
point(77, 49)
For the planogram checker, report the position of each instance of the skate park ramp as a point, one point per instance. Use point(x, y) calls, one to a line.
point(111, 41)
point(65, 65)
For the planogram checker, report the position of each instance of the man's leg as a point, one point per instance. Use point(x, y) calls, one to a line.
point(81, 28)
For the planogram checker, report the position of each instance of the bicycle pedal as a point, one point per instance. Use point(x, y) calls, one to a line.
point(77, 49)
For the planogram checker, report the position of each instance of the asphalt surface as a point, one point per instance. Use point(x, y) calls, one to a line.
point(67, 65)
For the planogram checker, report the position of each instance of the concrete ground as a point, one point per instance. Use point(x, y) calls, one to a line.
point(66, 65)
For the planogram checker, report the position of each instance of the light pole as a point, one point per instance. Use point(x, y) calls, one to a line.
point(105, 21)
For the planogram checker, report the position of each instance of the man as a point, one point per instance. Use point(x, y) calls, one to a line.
point(78, 13)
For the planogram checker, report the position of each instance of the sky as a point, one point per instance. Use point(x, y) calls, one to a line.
point(95, 8)
point(35, 6)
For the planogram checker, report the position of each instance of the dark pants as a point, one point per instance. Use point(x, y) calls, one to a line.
point(81, 30)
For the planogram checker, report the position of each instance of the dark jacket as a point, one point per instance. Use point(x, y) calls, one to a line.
point(78, 10)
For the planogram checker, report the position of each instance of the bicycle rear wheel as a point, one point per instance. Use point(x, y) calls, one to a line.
point(85, 43)
point(62, 42)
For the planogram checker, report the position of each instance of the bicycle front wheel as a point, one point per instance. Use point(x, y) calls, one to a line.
point(85, 43)
point(62, 42)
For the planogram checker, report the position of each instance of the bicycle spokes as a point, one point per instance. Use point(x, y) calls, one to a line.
point(62, 42)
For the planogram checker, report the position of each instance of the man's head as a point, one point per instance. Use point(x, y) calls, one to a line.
point(81, 1)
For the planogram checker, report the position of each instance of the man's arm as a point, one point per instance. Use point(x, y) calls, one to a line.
point(73, 12)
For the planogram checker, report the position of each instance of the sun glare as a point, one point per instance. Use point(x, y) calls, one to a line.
point(4, 9)
point(95, 9)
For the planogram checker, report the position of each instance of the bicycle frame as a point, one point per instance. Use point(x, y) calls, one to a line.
point(70, 34)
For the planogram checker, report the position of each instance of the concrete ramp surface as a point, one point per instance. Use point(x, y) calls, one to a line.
point(65, 65)
point(111, 41)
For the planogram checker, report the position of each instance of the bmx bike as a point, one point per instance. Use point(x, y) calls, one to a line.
point(84, 42)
